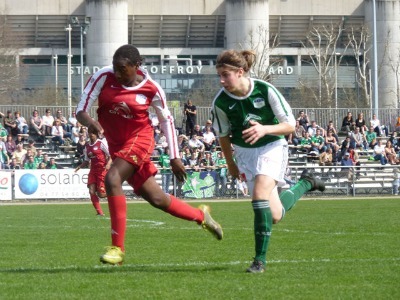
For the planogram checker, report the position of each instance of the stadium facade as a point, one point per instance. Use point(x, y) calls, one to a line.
point(180, 39)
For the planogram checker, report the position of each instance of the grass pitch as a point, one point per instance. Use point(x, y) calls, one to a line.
point(345, 249)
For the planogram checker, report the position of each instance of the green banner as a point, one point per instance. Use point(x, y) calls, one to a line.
point(200, 185)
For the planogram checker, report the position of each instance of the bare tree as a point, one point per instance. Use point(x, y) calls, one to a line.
point(11, 77)
point(322, 43)
point(359, 39)
point(259, 41)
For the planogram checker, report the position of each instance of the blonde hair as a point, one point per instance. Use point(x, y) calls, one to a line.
point(236, 59)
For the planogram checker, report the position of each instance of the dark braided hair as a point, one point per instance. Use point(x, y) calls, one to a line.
point(129, 53)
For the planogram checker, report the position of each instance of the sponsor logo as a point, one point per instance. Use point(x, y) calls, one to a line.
point(232, 106)
point(122, 110)
point(259, 102)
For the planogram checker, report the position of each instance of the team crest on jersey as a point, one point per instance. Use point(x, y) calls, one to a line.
point(122, 110)
point(259, 102)
point(141, 99)
point(95, 148)
point(250, 117)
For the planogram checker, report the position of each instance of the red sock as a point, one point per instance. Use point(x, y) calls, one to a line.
point(96, 203)
point(182, 210)
point(117, 207)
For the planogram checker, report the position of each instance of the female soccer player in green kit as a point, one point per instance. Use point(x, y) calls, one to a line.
point(252, 115)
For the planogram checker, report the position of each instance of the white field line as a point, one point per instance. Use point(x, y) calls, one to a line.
point(198, 264)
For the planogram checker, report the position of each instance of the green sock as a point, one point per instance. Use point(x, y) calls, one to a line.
point(262, 228)
point(290, 197)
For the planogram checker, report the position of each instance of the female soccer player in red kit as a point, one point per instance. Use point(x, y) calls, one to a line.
point(96, 152)
point(125, 92)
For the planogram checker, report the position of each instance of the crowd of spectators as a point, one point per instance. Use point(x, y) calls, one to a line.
point(359, 136)
point(18, 136)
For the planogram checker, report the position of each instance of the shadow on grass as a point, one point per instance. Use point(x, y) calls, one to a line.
point(115, 269)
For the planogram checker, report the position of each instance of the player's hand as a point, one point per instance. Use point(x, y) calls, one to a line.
point(254, 133)
point(178, 169)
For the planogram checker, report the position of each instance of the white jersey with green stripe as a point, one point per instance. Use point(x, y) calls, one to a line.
point(264, 104)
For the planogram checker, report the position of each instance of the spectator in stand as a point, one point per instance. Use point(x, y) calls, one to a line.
point(3, 133)
point(396, 181)
point(166, 173)
point(397, 127)
point(19, 140)
point(64, 124)
point(182, 141)
point(391, 154)
point(303, 119)
point(207, 162)
point(38, 157)
point(36, 124)
point(370, 137)
point(360, 123)
point(52, 164)
point(194, 142)
point(222, 176)
point(345, 147)
point(10, 145)
point(305, 142)
point(347, 162)
point(4, 158)
point(356, 162)
point(197, 131)
point(326, 158)
point(209, 124)
point(30, 163)
point(75, 133)
point(57, 132)
point(10, 124)
point(80, 147)
point(72, 120)
point(14, 164)
point(41, 166)
point(31, 146)
point(357, 140)
point(19, 154)
point(318, 142)
point(332, 128)
point(332, 143)
point(395, 141)
point(379, 153)
point(193, 161)
point(84, 132)
point(312, 130)
point(298, 133)
point(46, 159)
point(22, 125)
point(48, 121)
point(190, 111)
point(26, 157)
point(378, 128)
point(348, 123)
point(209, 139)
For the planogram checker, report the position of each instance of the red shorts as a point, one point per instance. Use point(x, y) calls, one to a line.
point(137, 152)
point(97, 178)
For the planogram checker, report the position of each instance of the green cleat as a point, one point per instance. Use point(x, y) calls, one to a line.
point(113, 256)
point(210, 224)
point(256, 267)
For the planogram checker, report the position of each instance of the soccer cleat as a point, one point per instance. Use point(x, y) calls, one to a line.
point(256, 267)
point(316, 183)
point(210, 224)
point(101, 215)
point(113, 256)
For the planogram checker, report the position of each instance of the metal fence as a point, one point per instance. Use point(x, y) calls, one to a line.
point(387, 116)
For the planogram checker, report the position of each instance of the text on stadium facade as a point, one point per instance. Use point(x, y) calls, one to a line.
point(177, 70)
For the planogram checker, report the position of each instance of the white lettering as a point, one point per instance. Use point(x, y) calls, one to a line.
point(180, 70)
point(72, 70)
point(95, 69)
point(199, 69)
point(86, 70)
point(280, 70)
point(271, 70)
point(189, 69)
point(163, 69)
point(289, 70)
point(171, 69)
point(78, 69)
point(153, 70)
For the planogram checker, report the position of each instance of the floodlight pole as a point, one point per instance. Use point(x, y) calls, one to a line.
point(376, 100)
point(69, 29)
point(55, 57)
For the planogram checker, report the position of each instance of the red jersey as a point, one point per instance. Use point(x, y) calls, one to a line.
point(97, 153)
point(123, 111)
